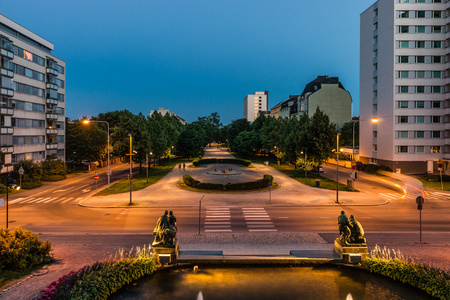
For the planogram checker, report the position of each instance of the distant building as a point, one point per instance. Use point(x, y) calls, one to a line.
point(32, 96)
point(404, 84)
point(329, 95)
point(289, 107)
point(164, 111)
point(253, 104)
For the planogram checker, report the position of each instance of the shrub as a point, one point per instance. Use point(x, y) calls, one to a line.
point(433, 281)
point(2, 189)
point(241, 186)
point(208, 161)
point(32, 174)
point(21, 249)
point(371, 168)
point(53, 170)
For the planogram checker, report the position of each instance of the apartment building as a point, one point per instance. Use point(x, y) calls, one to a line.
point(254, 103)
point(32, 96)
point(164, 111)
point(404, 85)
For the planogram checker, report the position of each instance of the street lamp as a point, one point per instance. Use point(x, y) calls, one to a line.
point(337, 167)
point(131, 164)
point(109, 158)
point(170, 155)
point(306, 156)
point(278, 159)
point(354, 120)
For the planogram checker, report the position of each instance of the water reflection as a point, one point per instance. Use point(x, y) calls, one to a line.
point(303, 283)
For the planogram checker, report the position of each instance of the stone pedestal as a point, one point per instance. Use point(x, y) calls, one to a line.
point(166, 254)
point(351, 253)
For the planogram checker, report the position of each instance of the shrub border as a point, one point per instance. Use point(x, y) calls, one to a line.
point(239, 186)
point(208, 161)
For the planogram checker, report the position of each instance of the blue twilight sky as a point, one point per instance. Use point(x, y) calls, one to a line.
point(194, 57)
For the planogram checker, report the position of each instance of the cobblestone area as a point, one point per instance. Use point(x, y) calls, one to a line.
point(280, 238)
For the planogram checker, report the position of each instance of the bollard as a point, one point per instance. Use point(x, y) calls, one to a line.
point(317, 182)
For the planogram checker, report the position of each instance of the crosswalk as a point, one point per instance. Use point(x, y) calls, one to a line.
point(218, 219)
point(390, 196)
point(440, 196)
point(45, 200)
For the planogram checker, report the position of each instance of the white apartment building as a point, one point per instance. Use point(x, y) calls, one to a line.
point(32, 96)
point(164, 111)
point(253, 104)
point(404, 85)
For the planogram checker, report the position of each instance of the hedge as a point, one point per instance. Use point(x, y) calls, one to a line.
point(208, 161)
point(371, 168)
point(240, 186)
point(21, 250)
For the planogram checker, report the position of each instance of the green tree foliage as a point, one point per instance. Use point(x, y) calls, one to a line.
point(192, 141)
point(346, 138)
point(244, 143)
point(53, 170)
point(85, 142)
point(236, 128)
point(32, 175)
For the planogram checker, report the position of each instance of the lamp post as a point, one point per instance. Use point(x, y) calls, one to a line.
point(109, 158)
point(278, 159)
point(354, 121)
point(306, 156)
point(131, 164)
point(337, 167)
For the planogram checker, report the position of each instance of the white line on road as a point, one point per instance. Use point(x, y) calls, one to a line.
point(218, 223)
point(67, 200)
point(224, 216)
point(256, 219)
point(44, 199)
point(262, 223)
point(65, 190)
point(49, 200)
point(252, 230)
point(217, 230)
point(261, 226)
point(218, 226)
point(15, 200)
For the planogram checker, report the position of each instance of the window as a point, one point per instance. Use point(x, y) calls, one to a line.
point(420, 59)
point(404, 29)
point(420, 89)
point(403, 119)
point(375, 53)
point(403, 74)
point(374, 134)
point(404, 44)
point(436, 104)
point(404, 1)
point(403, 134)
point(375, 80)
point(437, 14)
point(435, 134)
point(420, 29)
point(437, 44)
point(375, 12)
point(375, 147)
point(419, 134)
point(420, 44)
point(420, 1)
point(435, 1)
point(420, 104)
point(402, 149)
point(375, 39)
point(420, 74)
point(436, 90)
point(403, 89)
point(435, 149)
point(375, 26)
point(403, 14)
point(436, 119)
point(375, 107)
point(437, 29)
point(437, 59)
point(403, 59)
point(420, 119)
point(437, 74)
point(420, 14)
point(375, 67)
point(403, 104)
point(375, 94)
point(420, 149)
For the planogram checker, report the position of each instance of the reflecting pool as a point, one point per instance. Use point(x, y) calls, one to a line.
point(319, 282)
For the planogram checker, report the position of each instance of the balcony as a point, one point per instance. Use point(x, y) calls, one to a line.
point(52, 131)
point(55, 117)
point(50, 146)
point(52, 86)
point(6, 72)
point(6, 111)
point(7, 53)
point(52, 101)
point(52, 71)
point(6, 130)
point(6, 92)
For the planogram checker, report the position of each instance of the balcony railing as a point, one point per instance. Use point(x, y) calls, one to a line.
point(52, 71)
point(6, 72)
point(52, 101)
point(7, 130)
point(7, 111)
point(52, 131)
point(52, 117)
point(51, 86)
point(52, 146)
point(6, 92)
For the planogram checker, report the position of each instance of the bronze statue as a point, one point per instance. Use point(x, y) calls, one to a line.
point(344, 228)
point(165, 230)
point(357, 231)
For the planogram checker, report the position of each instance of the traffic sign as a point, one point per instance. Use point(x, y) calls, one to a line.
point(270, 183)
point(2, 202)
point(21, 171)
point(96, 177)
point(420, 200)
point(96, 173)
point(353, 165)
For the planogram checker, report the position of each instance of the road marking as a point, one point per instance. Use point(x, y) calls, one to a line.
point(60, 200)
point(40, 201)
point(217, 230)
point(218, 216)
point(14, 201)
point(366, 217)
point(31, 200)
point(261, 226)
point(65, 190)
point(218, 226)
point(390, 196)
point(86, 190)
point(217, 223)
point(254, 230)
point(256, 223)
point(67, 200)
point(50, 199)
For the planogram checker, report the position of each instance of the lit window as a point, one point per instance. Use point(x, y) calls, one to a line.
point(403, 74)
point(420, 104)
point(420, 74)
point(420, 29)
point(419, 134)
point(402, 149)
point(435, 149)
point(420, 149)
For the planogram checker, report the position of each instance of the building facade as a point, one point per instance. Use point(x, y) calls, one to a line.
point(32, 82)
point(164, 111)
point(403, 85)
point(259, 101)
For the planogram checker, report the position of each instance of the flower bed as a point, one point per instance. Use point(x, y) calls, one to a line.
point(240, 186)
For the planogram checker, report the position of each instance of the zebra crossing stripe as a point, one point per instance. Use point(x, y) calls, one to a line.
point(50, 199)
point(67, 200)
point(61, 199)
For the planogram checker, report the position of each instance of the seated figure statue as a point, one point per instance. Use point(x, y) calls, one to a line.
point(165, 230)
point(357, 232)
point(344, 228)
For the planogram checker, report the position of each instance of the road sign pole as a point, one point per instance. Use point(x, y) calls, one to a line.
point(420, 201)
point(200, 213)
point(442, 185)
point(420, 221)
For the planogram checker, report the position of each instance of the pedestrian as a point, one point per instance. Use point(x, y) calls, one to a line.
point(184, 166)
point(179, 167)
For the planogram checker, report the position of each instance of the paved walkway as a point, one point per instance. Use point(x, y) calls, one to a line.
point(290, 193)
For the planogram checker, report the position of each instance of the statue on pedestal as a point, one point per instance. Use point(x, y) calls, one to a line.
point(165, 230)
point(357, 232)
point(344, 228)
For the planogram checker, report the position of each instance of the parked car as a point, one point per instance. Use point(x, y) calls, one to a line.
point(320, 169)
point(85, 162)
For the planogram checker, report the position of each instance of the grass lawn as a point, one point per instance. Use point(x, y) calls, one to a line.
point(299, 175)
point(140, 178)
point(435, 183)
point(8, 276)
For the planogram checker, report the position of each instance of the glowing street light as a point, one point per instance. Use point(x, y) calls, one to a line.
point(109, 166)
point(306, 156)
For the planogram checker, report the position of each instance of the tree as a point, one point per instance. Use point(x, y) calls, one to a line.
point(53, 170)
point(244, 142)
point(236, 128)
point(346, 137)
point(32, 175)
point(191, 142)
point(85, 142)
